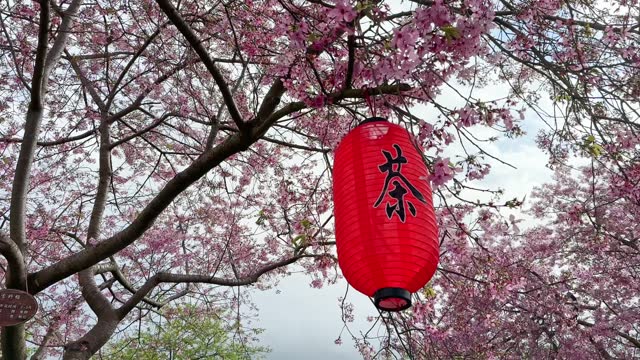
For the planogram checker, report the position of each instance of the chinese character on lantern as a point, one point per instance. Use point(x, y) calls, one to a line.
point(393, 168)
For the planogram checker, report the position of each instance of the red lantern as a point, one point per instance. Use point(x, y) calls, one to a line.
point(386, 232)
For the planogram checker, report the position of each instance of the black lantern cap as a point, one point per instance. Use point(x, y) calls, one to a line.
point(392, 299)
point(372, 119)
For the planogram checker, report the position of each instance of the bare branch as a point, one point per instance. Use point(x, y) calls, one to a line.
point(208, 62)
point(142, 131)
point(81, 136)
point(204, 279)
point(86, 83)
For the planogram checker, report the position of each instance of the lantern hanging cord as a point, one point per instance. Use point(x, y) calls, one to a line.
point(370, 102)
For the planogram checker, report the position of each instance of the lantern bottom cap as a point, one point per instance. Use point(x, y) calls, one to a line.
point(392, 299)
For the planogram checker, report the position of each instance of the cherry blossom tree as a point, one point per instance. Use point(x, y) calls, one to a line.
point(157, 151)
point(564, 289)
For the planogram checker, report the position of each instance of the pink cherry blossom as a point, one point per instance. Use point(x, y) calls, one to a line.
point(443, 172)
point(343, 11)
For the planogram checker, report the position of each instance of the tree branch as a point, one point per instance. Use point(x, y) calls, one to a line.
point(142, 131)
point(63, 34)
point(138, 101)
point(15, 260)
point(631, 339)
point(90, 291)
point(32, 126)
point(208, 62)
point(86, 83)
point(81, 136)
point(351, 43)
point(87, 257)
point(233, 144)
point(163, 277)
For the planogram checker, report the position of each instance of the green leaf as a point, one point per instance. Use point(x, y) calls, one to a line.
point(588, 31)
point(450, 32)
point(306, 224)
point(562, 98)
point(262, 217)
point(513, 203)
point(591, 146)
point(312, 37)
point(299, 240)
point(364, 6)
point(429, 292)
point(596, 150)
point(590, 139)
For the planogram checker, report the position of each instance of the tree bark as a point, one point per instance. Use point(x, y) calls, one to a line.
point(91, 342)
point(13, 338)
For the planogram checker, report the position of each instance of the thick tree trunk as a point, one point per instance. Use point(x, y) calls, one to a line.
point(13, 338)
point(13, 343)
point(91, 342)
